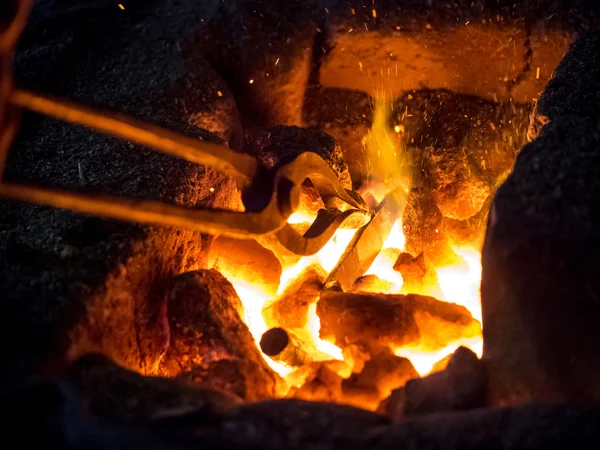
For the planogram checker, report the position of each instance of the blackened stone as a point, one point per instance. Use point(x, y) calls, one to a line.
point(461, 386)
point(421, 222)
point(346, 115)
point(294, 423)
point(117, 395)
point(210, 343)
point(265, 49)
point(573, 89)
point(277, 145)
point(39, 406)
point(297, 425)
point(464, 144)
point(540, 288)
point(534, 427)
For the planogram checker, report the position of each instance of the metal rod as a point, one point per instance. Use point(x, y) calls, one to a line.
point(240, 166)
point(230, 223)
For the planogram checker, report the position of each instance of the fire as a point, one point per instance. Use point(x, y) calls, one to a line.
point(425, 362)
point(457, 284)
point(460, 284)
point(254, 299)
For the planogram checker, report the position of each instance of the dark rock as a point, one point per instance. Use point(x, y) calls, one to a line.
point(298, 425)
point(326, 426)
point(141, 56)
point(39, 406)
point(483, 134)
point(277, 145)
point(209, 341)
point(265, 50)
point(295, 423)
point(347, 116)
point(461, 386)
point(532, 427)
point(75, 284)
point(539, 285)
point(379, 321)
point(117, 395)
point(421, 222)
point(244, 378)
point(573, 89)
point(464, 145)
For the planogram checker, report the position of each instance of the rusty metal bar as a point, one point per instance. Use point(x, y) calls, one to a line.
point(211, 221)
point(9, 34)
point(321, 231)
point(240, 166)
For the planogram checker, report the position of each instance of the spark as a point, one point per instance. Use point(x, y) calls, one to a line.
point(219, 94)
point(121, 6)
point(251, 81)
point(537, 74)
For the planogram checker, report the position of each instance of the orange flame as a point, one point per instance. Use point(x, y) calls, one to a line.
point(459, 284)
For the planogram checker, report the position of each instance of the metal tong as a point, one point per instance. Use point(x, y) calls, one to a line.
point(269, 196)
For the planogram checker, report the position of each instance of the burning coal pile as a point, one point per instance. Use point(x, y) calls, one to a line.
point(391, 141)
point(354, 340)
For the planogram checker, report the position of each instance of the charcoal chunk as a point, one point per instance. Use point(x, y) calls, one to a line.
point(378, 321)
point(461, 386)
point(276, 145)
point(210, 343)
point(117, 395)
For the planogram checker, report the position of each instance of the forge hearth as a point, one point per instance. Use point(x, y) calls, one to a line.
point(463, 278)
